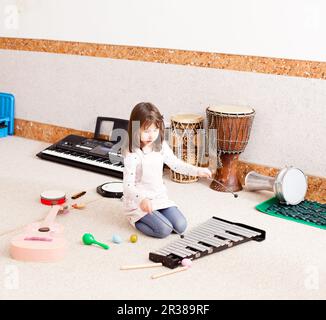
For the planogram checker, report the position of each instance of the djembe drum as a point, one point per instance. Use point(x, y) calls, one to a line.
point(185, 140)
point(229, 127)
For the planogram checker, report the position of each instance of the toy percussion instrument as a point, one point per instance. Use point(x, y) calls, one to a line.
point(185, 140)
point(53, 197)
point(289, 186)
point(89, 239)
point(42, 241)
point(111, 190)
point(229, 130)
point(212, 236)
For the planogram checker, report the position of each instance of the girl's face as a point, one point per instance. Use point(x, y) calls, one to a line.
point(149, 135)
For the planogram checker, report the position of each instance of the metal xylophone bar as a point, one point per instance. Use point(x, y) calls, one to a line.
point(212, 236)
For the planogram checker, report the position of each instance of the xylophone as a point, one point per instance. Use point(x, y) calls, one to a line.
point(212, 236)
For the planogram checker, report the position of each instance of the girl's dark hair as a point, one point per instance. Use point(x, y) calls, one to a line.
point(143, 115)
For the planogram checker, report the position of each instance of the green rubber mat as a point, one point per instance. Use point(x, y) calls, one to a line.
point(308, 212)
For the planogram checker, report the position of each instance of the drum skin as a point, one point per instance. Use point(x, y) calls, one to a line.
point(111, 190)
point(290, 186)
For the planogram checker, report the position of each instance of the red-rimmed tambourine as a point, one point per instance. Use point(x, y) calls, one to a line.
point(53, 197)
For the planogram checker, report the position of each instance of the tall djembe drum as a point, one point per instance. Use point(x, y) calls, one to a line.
point(187, 131)
point(229, 129)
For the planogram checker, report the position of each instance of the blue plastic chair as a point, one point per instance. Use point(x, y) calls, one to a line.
point(7, 111)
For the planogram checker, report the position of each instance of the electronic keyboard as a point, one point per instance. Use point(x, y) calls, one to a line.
point(96, 155)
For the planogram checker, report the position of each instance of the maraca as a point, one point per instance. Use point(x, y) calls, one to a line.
point(89, 239)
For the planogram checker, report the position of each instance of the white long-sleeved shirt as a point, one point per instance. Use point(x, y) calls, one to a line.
point(143, 178)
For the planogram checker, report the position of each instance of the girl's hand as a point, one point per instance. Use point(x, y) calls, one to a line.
point(146, 205)
point(204, 173)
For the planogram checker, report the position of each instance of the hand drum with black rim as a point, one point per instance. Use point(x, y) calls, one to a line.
point(111, 190)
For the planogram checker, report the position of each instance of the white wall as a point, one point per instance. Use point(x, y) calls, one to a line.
point(72, 91)
point(275, 28)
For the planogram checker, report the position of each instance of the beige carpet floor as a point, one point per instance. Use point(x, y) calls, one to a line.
point(289, 264)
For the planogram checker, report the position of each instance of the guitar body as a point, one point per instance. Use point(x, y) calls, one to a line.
point(42, 242)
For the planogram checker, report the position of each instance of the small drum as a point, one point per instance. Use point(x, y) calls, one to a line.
point(229, 129)
point(111, 190)
point(289, 186)
point(186, 136)
point(53, 197)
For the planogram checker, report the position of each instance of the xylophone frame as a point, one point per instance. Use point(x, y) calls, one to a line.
point(172, 260)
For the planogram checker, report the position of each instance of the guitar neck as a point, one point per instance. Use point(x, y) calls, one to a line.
point(49, 219)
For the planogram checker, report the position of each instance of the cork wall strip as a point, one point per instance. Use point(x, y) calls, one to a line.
point(51, 134)
point(276, 66)
point(45, 132)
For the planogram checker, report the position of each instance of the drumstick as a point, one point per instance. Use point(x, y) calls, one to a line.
point(159, 275)
point(227, 189)
point(142, 266)
point(78, 195)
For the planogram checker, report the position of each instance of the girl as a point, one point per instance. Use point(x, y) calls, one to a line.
point(144, 191)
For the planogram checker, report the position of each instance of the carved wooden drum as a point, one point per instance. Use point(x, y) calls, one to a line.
point(229, 127)
point(186, 136)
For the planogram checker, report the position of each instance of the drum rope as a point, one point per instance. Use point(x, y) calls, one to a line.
point(219, 163)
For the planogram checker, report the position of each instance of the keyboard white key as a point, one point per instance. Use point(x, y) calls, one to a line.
point(83, 160)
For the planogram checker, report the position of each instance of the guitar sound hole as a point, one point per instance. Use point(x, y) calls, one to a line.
point(44, 229)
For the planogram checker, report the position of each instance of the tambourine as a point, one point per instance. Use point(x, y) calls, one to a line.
point(53, 197)
point(111, 190)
